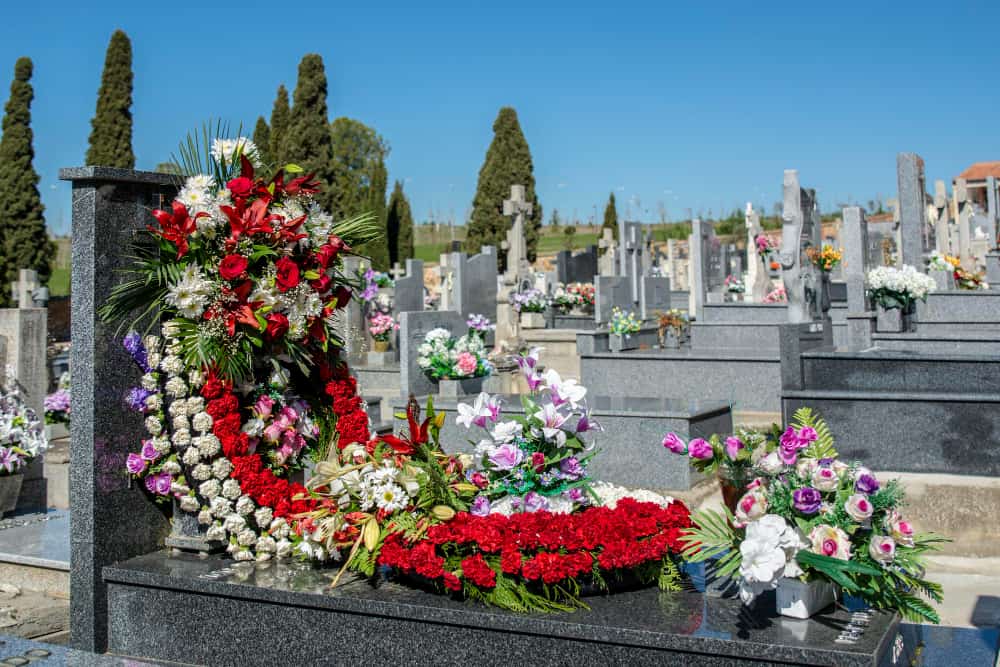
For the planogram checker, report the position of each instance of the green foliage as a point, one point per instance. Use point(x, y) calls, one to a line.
point(262, 139)
point(111, 127)
point(712, 536)
point(24, 240)
point(610, 219)
point(507, 162)
point(823, 447)
point(281, 117)
point(194, 153)
point(358, 180)
point(569, 231)
point(378, 249)
point(399, 226)
point(308, 140)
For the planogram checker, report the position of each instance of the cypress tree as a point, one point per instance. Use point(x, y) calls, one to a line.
point(508, 162)
point(280, 117)
point(378, 249)
point(610, 219)
point(308, 142)
point(262, 139)
point(399, 226)
point(25, 240)
point(111, 133)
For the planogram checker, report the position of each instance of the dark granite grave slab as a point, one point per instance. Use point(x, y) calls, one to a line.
point(221, 613)
point(18, 651)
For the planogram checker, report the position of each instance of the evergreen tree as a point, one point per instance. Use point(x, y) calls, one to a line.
point(610, 219)
point(358, 180)
point(25, 240)
point(399, 226)
point(508, 162)
point(262, 139)
point(281, 115)
point(111, 128)
point(308, 141)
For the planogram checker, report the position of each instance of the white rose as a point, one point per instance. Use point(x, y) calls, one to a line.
point(772, 464)
point(859, 508)
point(825, 479)
point(882, 548)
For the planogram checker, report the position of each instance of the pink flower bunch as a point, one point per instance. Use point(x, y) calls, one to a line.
point(381, 325)
point(792, 441)
point(466, 363)
point(286, 428)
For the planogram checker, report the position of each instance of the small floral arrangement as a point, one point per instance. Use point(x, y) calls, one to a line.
point(968, 280)
point(734, 285)
point(531, 300)
point(22, 434)
point(372, 281)
point(574, 295)
point(826, 258)
point(808, 515)
point(57, 404)
point(443, 357)
point(777, 295)
point(623, 323)
point(939, 261)
point(675, 321)
point(891, 288)
point(480, 325)
point(765, 246)
point(381, 326)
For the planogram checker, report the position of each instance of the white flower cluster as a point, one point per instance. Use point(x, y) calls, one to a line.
point(905, 281)
point(198, 197)
point(19, 425)
point(230, 150)
point(608, 493)
point(439, 347)
point(191, 293)
point(767, 555)
point(299, 304)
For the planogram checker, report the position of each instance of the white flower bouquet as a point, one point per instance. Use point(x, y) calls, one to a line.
point(891, 288)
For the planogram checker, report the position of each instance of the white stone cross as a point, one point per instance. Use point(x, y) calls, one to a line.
point(26, 288)
point(607, 264)
point(397, 271)
point(517, 247)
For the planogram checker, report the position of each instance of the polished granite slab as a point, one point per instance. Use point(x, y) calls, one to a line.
point(175, 607)
point(39, 539)
point(18, 651)
point(603, 405)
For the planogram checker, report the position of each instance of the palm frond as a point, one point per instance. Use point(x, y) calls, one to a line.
point(823, 447)
point(358, 230)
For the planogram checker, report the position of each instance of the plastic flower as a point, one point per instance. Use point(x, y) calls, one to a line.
point(825, 479)
point(858, 507)
point(751, 506)
point(564, 391)
point(552, 421)
point(506, 456)
point(882, 548)
point(830, 541)
point(699, 448)
point(807, 500)
point(733, 447)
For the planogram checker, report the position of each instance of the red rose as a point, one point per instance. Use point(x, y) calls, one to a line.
point(232, 266)
point(321, 284)
point(277, 325)
point(240, 187)
point(288, 274)
point(538, 461)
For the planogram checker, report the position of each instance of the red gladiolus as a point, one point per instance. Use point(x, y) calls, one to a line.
point(325, 254)
point(277, 325)
point(176, 226)
point(232, 266)
point(288, 274)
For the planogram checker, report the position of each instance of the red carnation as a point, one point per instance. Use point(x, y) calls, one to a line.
point(451, 582)
point(476, 570)
point(232, 266)
point(288, 274)
point(277, 325)
point(240, 186)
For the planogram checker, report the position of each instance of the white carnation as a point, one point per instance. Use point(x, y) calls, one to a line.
point(191, 456)
point(153, 359)
point(204, 517)
point(208, 445)
point(283, 548)
point(234, 523)
point(266, 544)
point(231, 489)
point(161, 444)
point(196, 378)
point(221, 467)
point(180, 423)
point(209, 489)
point(154, 402)
point(245, 506)
point(263, 517)
point(221, 507)
point(154, 425)
point(181, 438)
point(201, 472)
point(150, 382)
point(216, 533)
point(247, 537)
point(202, 421)
point(172, 364)
point(178, 408)
point(176, 387)
point(195, 404)
point(172, 467)
point(243, 556)
point(189, 504)
point(279, 528)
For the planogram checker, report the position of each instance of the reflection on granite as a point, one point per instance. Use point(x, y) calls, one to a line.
point(146, 590)
point(18, 651)
point(607, 405)
point(40, 541)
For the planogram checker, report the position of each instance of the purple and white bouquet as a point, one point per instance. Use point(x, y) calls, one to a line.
point(810, 516)
point(536, 460)
point(57, 404)
point(479, 325)
point(531, 300)
point(22, 434)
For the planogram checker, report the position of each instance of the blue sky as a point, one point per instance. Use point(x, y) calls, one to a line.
point(698, 107)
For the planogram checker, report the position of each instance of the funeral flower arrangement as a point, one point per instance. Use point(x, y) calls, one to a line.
point(573, 295)
point(892, 288)
point(444, 357)
point(807, 514)
point(826, 258)
point(777, 295)
point(734, 285)
point(675, 321)
point(939, 261)
point(381, 326)
point(480, 325)
point(623, 323)
point(57, 404)
point(531, 300)
point(22, 433)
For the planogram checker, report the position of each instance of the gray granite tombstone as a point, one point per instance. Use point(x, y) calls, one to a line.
point(112, 520)
point(913, 230)
point(654, 296)
point(610, 292)
point(410, 288)
point(698, 245)
point(474, 283)
point(518, 267)
point(576, 268)
point(607, 263)
point(413, 326)
point(800, 230)
point(630, 262)
point(860, 318)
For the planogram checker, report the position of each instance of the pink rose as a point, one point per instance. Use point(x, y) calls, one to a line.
point(263, 406)
point(672, 442)
point(733, 447)
point(700, 449)
point(466, 363)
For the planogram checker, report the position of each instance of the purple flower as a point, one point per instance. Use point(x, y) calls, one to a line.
point(136, 397)
point(571, 468)
point(480, 506)
point(807, 500)
point(506, 456)
point(159, 484)
point(788, 454)
point(133, 345)
point(733, 447)
point(135, 464)
point(700, 449)
point(587, 423)
point(149, 452)
point(57, 401)
point(673, 442)
point(576, 495)
point(866, 484)
point(534, 502)
point(9, 460)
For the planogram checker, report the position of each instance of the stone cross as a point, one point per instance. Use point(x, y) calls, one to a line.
point(698, 267)
point(942, 218)
point(757, 278)
point(630, 234)
point(607, 263)
point(860, 321)
point(913, 231)
point(992, 212)
point(964, 211)
point(397, 271)
point(517, 247)
point(799, 230)
point(26, 289)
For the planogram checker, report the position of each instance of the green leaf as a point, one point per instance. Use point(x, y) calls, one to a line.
point(293, 169)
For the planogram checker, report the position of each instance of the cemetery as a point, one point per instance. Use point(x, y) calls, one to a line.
point(270, 434)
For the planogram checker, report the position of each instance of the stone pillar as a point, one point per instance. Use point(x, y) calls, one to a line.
point(942, 236)
point(697, 268)
point(112, 519)
point(860, 319)
point(24, 331)
point(912, 210)
point(992, 212)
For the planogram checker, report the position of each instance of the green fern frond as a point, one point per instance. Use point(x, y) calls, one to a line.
point(823, 447)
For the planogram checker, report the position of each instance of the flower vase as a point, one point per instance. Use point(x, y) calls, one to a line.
point(671, 340)
point(10, 489)
point(621, 342)
point(380, 345)
point(448, 388)
point(824, 291)
point(894, 320)
point(798, 599)
point(186, 534)
point(731, 493)
point(532, 320)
